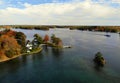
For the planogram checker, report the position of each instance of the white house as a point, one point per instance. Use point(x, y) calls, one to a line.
point(29, 47)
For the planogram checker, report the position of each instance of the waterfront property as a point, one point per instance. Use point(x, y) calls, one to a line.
point(29, 46)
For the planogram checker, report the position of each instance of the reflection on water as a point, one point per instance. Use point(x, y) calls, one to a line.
point(45, 47)
point(38, 56)
point(97, 67)
point(57, 52)
point(24, 59)
point(11, 66)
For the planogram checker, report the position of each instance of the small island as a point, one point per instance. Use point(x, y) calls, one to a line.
point(14, 44)
point(99, 60)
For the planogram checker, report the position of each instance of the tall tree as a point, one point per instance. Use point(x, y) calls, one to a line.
point(46, 38)
point(37, 40)
point(53, 38)
point(9, 46)
point(21, 39)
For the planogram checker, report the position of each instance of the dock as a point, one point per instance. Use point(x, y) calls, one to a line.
point(67, 46)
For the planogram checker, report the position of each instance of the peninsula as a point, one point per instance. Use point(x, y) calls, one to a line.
point(14, 44)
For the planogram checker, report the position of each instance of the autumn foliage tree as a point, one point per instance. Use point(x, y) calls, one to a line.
point(9, 46)
point(46, 38)
point(10, 33)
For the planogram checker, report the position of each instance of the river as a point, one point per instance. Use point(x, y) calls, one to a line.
point(74, 65)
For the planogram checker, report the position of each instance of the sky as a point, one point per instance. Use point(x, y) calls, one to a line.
point(59, 12)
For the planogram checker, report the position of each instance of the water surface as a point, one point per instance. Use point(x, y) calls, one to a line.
point(73, 65)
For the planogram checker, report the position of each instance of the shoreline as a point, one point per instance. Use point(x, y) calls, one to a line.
point(34, 52)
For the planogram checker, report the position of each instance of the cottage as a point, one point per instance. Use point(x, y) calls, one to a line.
point(29, 46)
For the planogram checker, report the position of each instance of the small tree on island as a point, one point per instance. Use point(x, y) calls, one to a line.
point(46, 38)
point(99, 59)
point(57, 41)
point(53, 37)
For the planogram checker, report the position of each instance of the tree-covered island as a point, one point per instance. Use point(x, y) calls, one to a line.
point(99, 60)
point(14, 44)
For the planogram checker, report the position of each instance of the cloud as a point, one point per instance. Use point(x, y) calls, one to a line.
point(1, 2)
point(76, 13)
point(115, 1)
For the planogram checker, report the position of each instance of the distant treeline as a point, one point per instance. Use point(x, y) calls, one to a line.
point(113, 29)
point(89, 28)
point(31, 27)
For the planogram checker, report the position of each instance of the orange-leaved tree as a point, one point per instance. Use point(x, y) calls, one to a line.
point(9, 46)
point(46, 38)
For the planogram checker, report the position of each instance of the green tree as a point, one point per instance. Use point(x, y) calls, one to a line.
point(37, 40)
point(99, 59)
point(53, 38)
point(57, 41)
point(21, 39)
